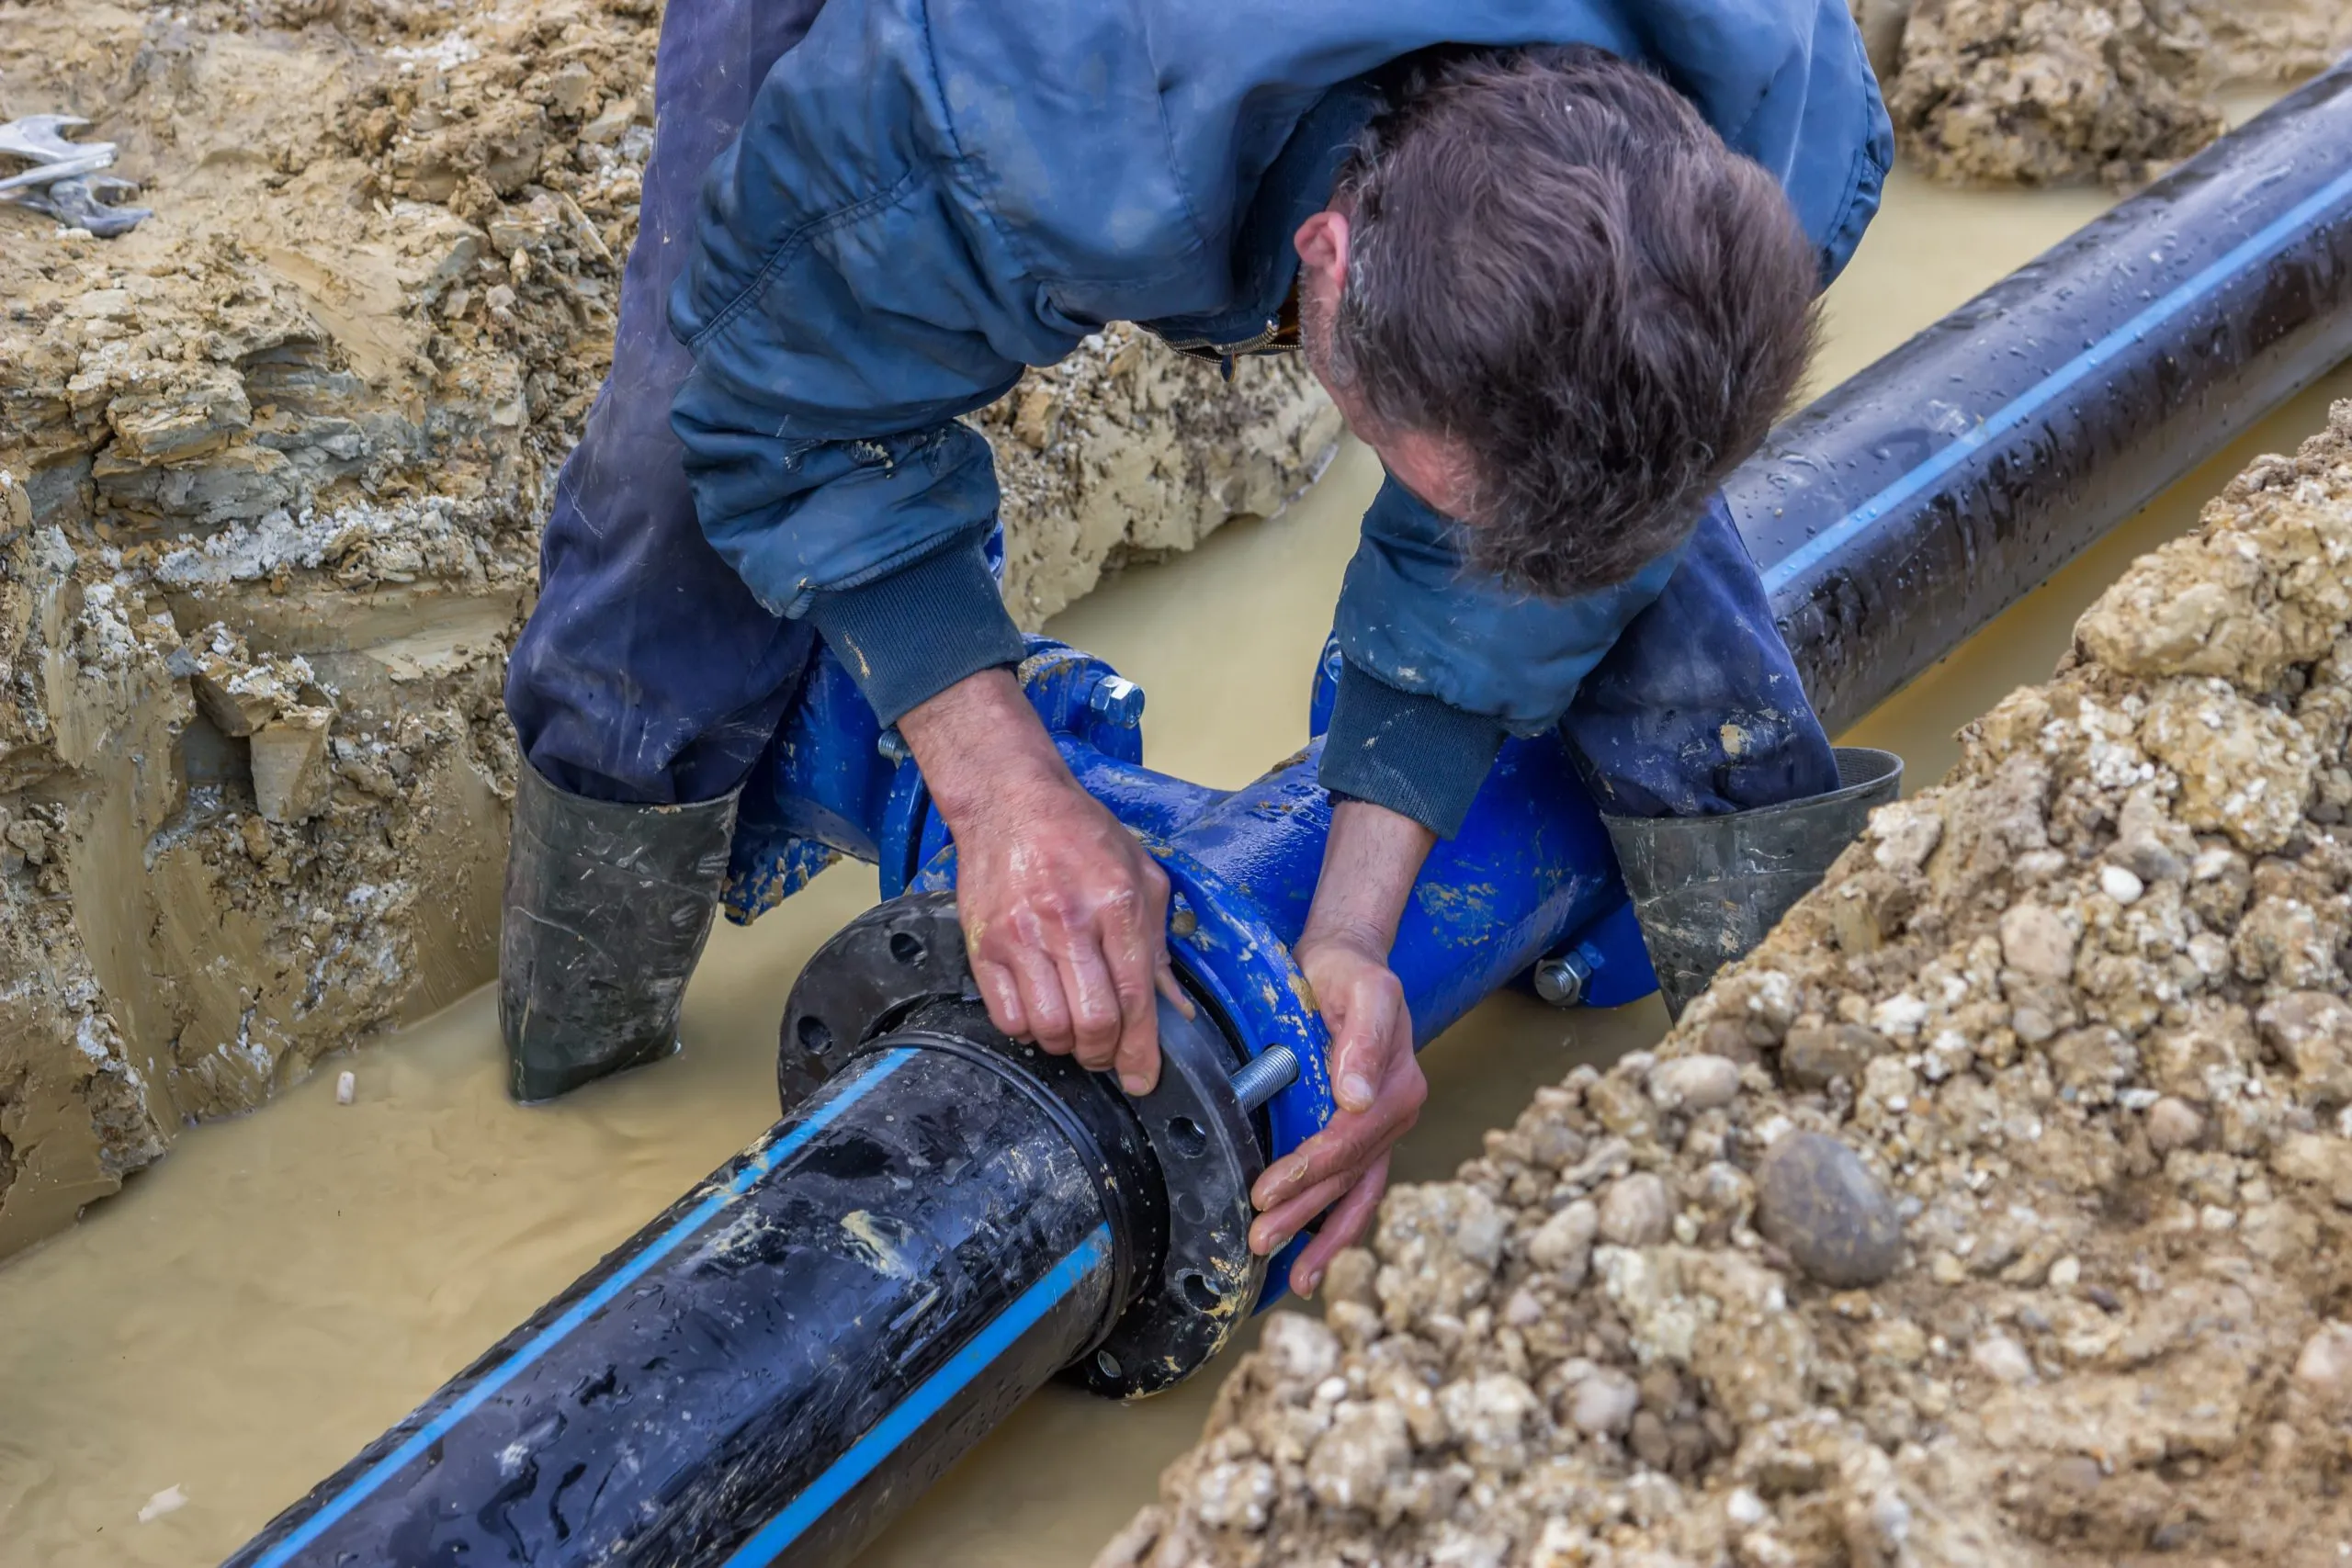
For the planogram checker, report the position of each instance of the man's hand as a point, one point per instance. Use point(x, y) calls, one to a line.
point(1065, 915)
point(1369, 866)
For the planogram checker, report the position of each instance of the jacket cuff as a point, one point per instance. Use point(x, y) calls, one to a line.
point(1411, 753)
point(909, 635)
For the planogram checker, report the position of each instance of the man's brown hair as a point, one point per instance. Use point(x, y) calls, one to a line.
point(1556, 263)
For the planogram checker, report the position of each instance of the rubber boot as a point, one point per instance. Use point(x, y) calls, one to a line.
point(607, 907)
point(1707, 889)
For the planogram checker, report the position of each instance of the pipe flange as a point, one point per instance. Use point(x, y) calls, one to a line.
point(1210, 1154)
point(1194, 1280)
point(1224, 947)
point(860, 984)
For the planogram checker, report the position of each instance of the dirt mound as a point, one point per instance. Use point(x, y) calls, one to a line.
point(1993, 1213)
point(2041, 92)
point(274, 465)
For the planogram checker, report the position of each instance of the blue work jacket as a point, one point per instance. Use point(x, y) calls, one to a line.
point(931, 196)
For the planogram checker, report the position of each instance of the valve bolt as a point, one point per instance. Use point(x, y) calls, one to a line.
point(1118, 700)
point(1561, 981)
point(1265, 1075)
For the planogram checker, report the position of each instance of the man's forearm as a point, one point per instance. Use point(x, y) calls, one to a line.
point(980, 744)
point(1370, 864)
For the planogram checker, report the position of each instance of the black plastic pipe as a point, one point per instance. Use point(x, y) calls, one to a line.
point(782, 1362)
point(1906, 508)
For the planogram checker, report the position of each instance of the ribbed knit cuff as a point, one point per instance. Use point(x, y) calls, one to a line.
point(1410, 753)
point(909, 636)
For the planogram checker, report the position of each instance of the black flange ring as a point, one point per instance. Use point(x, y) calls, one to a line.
point(1190, 1292)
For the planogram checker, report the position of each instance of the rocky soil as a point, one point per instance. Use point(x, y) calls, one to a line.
point(1997, 1210)
point(271, 472)
point(2041, 92)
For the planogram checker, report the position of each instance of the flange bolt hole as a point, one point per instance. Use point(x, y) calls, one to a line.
point(1197, 1290)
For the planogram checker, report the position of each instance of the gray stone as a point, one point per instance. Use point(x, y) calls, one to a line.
point(2002, 1357)
point(2173, 1124)
point(1636, 1212)
point(1604, 1402)
point(2323, 1367)
point(1813, 1058)
point(241, 484)
point(1564, 1244)
point(1695, 1083)
point(1557, 1145)
point(2036, 939)
point(1821, 1205)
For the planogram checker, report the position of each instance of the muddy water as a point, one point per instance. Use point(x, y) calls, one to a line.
point(250, 1314)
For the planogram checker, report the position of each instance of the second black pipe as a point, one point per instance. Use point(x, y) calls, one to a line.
point(1906, 508)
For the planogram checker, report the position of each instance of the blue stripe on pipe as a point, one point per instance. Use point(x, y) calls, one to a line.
point(929, 1398)
point(627, 1274)
point(2263, 244)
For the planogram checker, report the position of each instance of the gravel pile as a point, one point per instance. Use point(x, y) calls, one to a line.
point(1993, 1213)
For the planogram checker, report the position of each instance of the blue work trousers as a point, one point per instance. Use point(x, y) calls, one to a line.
point(648, 673)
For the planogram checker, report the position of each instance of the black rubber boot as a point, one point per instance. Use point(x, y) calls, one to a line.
point(1707, 889)
point(607, 906)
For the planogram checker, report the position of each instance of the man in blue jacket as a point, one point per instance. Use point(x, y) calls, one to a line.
point(1553, 260)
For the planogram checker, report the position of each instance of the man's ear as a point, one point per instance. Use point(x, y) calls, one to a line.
point(1322, 242)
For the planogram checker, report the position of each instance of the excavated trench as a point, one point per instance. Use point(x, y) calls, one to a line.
point(276, 528)
point(271, 1296)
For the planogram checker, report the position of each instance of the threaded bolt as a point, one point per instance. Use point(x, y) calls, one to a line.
point(1561, 981)
point(1265, 1075)
point(893, 747)
point(1118, 700)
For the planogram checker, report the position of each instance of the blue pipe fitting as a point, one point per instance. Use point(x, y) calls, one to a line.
point(1531, 875)
point(838, 782)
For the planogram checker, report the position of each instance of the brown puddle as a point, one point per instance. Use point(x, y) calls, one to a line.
point(251, 1313)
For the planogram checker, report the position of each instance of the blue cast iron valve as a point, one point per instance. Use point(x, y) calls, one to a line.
point(837, 783)
point(1531, 873)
